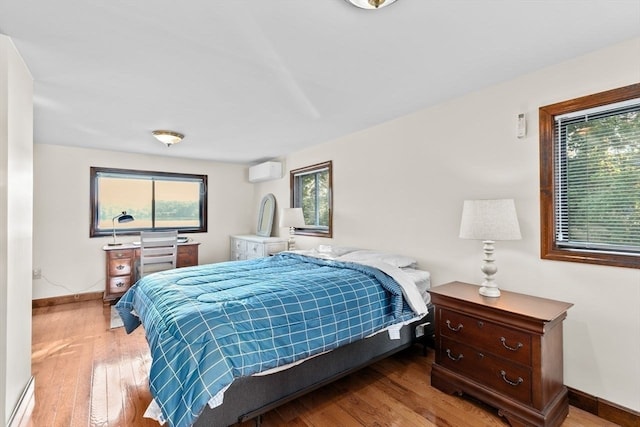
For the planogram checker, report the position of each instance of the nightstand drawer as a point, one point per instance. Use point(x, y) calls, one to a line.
point(120, 267)
point(255, 250)
point(120, 253)
point(492, 338)
point(496, 373)
point(238, 245)
point(119, 284)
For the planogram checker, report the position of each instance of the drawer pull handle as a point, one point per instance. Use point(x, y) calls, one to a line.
point(119, 284)
point(455, 359)
point(519, 381)
point(518, 346)
point(120, 267)
point(456, 329)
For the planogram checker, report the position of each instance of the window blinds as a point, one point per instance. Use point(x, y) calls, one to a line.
point(597, 202)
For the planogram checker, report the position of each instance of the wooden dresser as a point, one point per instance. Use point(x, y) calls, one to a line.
point(506, 352)
point(121, 266)
point(250, 246)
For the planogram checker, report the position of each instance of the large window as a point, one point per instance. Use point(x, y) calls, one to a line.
point(156, 200)
point(311, 191)
point(590, 179)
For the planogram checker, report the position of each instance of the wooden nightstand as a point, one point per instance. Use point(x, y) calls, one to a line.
point(506, 352)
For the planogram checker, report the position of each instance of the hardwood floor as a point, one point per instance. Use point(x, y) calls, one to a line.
point(87, 374)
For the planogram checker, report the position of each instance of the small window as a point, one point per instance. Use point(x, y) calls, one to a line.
point(311, 191)
point(156, 200)
point(590, 179)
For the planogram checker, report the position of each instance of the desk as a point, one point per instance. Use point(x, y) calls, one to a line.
point(121, 261)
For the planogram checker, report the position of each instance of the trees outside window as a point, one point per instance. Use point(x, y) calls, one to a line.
point(590, 179)
point(156, 200)
point(311, 190)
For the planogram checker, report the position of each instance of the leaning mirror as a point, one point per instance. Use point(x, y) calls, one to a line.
point(265, 215)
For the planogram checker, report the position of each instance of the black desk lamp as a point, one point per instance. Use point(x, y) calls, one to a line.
point(123, 217)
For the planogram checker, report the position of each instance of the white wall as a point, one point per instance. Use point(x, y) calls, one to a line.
point(16, 203)
point(399, 186)
point(71, 262)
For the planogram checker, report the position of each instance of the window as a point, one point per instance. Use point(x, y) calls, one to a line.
point(311, 191)
point(590, 179)
point(156, 200)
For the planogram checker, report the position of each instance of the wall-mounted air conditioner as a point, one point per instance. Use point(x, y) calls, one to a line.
point(265, 171)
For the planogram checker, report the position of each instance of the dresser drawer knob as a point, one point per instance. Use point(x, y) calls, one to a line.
point(455, 359)
point(518, 346)
point(519, 381)
point(119, 284)
point(456, 329)
point(120, 267)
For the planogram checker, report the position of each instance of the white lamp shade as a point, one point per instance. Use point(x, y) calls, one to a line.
point(489, 220)
point(291, 217)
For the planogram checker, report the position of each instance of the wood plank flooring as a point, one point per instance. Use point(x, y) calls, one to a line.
point(87, 374)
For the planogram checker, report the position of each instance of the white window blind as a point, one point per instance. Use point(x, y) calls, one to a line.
point(597, 205)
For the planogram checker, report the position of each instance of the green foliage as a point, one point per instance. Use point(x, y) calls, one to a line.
point(177, 210)
point(315, 198)
point(603, 180)
point(166, 210)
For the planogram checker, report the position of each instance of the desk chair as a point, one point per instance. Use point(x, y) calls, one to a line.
point(158, 251)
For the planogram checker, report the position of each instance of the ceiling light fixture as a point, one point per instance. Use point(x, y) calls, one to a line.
point(168, 137)
point(371, 4)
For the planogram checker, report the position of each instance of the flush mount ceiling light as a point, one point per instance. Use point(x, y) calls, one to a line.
point(168, 137)
point(371, 4)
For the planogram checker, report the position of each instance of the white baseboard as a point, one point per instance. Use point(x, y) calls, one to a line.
point(21, 413)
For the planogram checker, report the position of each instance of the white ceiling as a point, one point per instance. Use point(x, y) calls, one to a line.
point(250, 80)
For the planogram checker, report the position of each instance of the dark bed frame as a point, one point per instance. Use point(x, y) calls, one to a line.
point(250, 397)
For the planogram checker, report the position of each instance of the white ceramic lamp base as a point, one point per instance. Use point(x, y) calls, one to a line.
point(489, 286)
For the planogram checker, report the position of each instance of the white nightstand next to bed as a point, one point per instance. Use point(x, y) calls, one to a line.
point(251, 246)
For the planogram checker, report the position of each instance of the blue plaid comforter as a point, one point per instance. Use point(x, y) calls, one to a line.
point(209, 324)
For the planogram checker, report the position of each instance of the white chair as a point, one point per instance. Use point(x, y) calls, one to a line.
point(158, 251)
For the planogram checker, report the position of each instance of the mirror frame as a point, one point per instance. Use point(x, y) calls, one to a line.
point(265, 215)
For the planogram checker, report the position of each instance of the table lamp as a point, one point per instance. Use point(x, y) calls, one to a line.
point(123, 217)
point(292, 218)
point(489, 220)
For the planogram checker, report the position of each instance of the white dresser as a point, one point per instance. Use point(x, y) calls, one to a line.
point(250, 246)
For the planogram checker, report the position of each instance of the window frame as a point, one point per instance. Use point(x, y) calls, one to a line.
point(549, 249)
point(95, 231)
point(310, 230)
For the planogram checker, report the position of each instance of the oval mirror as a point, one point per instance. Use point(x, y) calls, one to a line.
point(265, 215)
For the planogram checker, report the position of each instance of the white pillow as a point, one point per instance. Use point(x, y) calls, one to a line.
point(395, 260)
point(334, 251)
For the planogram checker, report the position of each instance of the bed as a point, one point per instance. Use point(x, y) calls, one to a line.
point(230, 341)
